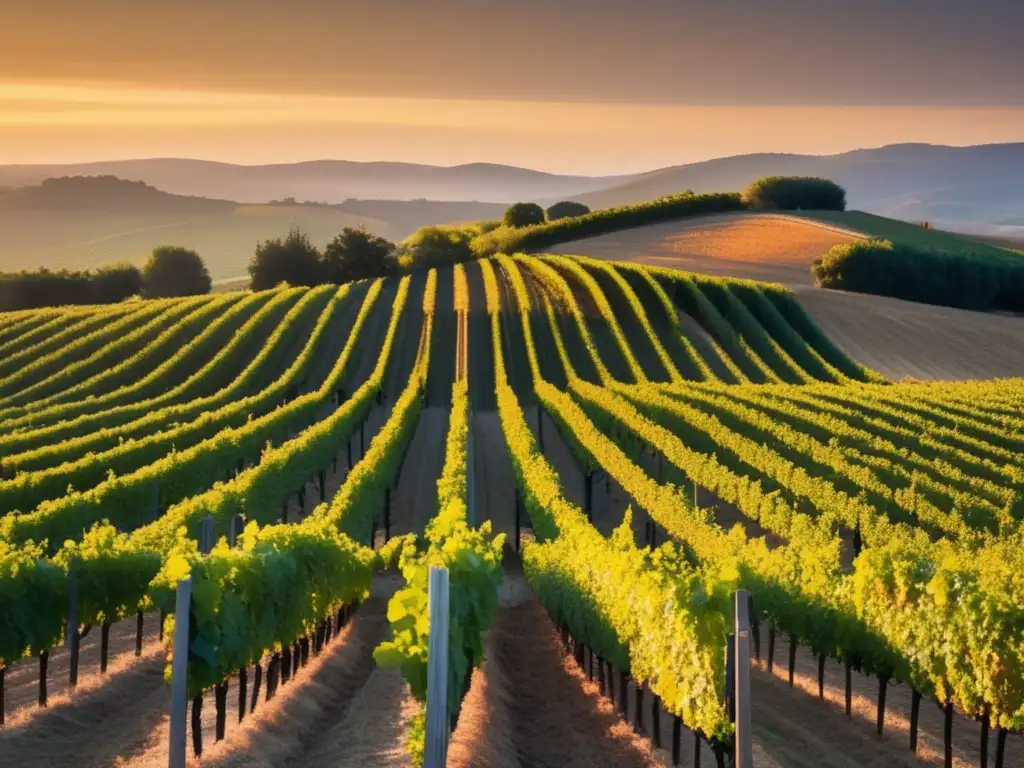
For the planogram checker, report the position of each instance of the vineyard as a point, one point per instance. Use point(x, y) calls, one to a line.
point(599, 453)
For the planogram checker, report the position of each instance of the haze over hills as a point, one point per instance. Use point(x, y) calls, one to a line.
point(973, 189)
point(86, 222)
point(330, 181)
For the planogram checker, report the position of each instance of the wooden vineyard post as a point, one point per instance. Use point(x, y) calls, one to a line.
point(771, 647)
point(72, 638)
point(744, 737)
point(256, 680)
point(140, 619)
point(470, 480)
point(656, 720)
point(387, 514)
point(44, 663)
point(179, 664)
point(179, 674)
point(984, 737)
point(517, 518)
point(588, 495)
point(849, 691)
point(947, 734)
point(915, 712)
point(237, 526)
point(883, 684)
point(792, 657)
point(436, 752)
point(677, 734)
point(104, 646)
point(243, 684)
point(540, 427)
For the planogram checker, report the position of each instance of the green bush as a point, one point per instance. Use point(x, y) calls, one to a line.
point(917, 274)
point(566, 210)
point(173, 271)
point(795, 193)
point(437, 246)
point(510, 239)
point(356, 254)
point(43, 288)
point(294, 260)
point(524, 215)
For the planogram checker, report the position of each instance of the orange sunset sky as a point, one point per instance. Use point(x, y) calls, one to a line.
point(571, 86)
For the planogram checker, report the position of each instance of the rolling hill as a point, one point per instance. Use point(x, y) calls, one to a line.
point(86, 222)
point(331, 181)
point(976, 189)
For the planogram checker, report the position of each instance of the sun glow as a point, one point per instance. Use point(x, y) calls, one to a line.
point(70, 121)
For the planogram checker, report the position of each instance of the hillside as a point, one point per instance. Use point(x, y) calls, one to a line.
point(979, 188)
point(331, 181)
point(897, 338)
point(649, 441)
point(86, 222)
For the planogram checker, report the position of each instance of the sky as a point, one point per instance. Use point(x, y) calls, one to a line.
point(576, 86)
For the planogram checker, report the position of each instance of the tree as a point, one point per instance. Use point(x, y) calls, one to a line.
point(792, 193)
point(173, 271)
point(116, 282)
point(356, 254)
point(566, 209)
point(524, 215)
point(437, 246)
point(294, 260)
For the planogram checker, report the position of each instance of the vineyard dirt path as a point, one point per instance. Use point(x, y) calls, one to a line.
point(414, 499)
point(897, 338)
point(554, 716)
point(310, 713)
point(795, 719)
point(108, 716)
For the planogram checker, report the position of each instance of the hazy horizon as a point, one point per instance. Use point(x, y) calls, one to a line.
point(591, 87)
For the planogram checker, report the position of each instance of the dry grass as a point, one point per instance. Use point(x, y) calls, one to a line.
point(107, 716)
point(558, 718)
point(760, 246)
point(291, 726)
point(484, 736)
point(793, 721)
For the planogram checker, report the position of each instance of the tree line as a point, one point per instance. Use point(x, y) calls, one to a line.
point(356, 254)
point(169, 271)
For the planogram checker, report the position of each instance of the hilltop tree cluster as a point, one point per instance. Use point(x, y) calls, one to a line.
point(354, 254)
point(795, 193)
point(530, 214)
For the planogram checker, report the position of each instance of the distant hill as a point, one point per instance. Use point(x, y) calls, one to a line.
point(105, 193)
point(85, 222)
point(978, 189)
point(329, 181)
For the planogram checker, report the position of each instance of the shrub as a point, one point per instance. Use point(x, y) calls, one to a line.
point(510, 239)
point(116, 282)
point(43, 288)
point(794, 193)
point(905, 272)
point(356, 254)
point(438, 246)
point(173, 271)
point(524, 215)
point(294, 260)
point(566, 209)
